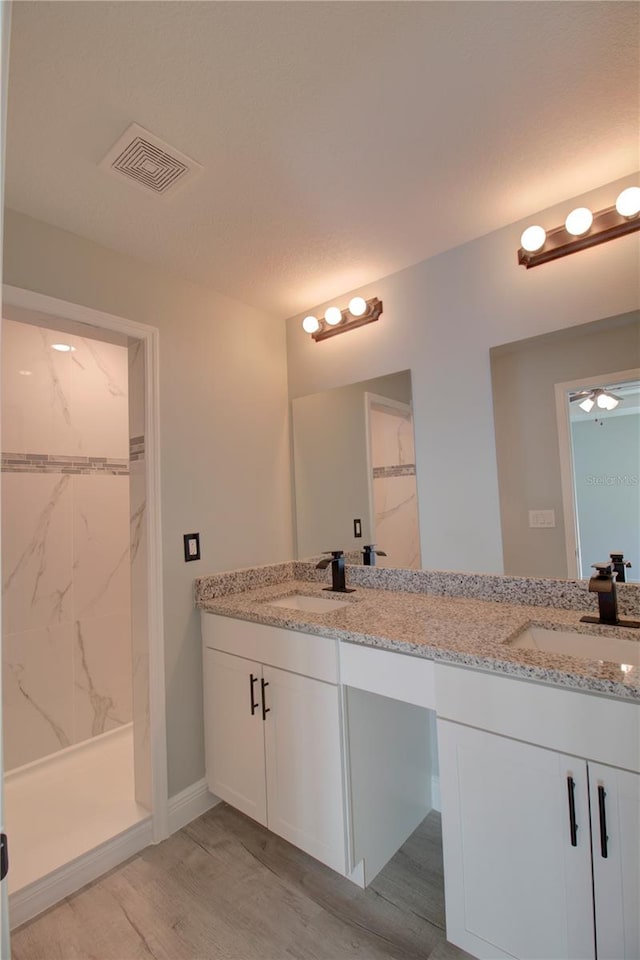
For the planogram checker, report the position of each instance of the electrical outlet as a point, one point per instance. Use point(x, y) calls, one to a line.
point(191, 547)
point(357, 528)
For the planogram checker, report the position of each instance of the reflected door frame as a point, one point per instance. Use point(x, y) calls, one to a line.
point(565, 448)
point(406, 409)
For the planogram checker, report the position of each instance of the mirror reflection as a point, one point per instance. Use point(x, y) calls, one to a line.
point(355, 474)
point(568, 476)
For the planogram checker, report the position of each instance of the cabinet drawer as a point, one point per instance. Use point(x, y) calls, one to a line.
point(395, 675)
point(582, 724)
point(298, 652)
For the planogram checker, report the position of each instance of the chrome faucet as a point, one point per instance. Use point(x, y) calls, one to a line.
point(338, 573)
point(603, 582)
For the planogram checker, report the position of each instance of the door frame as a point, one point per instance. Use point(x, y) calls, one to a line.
point(149, 337)
point(565, 450)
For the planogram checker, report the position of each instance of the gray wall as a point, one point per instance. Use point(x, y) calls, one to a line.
point(606, 461)
point(224, 434)
point(440, 319)
point(528, 458)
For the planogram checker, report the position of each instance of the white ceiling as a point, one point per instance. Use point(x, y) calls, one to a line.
point(341, 141)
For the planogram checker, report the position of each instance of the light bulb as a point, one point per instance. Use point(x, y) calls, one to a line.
point(586, 405)
point(611, 402)
point(310, 324)
point(62, 347)
point(533, 239)
point(333, 315)
point(578, 221)
point(603, 401)
point(357, 306)
point(628, 202)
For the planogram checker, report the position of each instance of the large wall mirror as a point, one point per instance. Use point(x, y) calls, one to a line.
point(569, 476)
point(355, 474)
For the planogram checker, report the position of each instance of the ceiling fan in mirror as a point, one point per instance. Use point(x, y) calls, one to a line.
point(600, 397)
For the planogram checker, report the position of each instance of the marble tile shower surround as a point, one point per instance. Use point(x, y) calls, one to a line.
point(65, 542)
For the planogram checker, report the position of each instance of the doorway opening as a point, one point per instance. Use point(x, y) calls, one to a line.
point(83, 691)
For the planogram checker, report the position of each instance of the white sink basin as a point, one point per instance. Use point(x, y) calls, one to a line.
point(589, 646)
point(299, 601)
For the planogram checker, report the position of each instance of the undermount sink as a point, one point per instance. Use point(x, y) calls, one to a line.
point(299, 601)
point(588, 646)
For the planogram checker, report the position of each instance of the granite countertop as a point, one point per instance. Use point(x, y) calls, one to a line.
point(473, 632)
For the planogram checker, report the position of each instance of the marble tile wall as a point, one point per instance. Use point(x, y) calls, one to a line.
point(65, 541)
point(395, 498)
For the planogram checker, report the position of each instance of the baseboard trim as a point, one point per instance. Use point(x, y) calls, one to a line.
point(55, 886)
point(190, 804)
point(435, 793)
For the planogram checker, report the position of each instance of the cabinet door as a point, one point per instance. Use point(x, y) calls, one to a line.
point(234, 737)
point(304, 765)
point(515, 883)
point(615, 819)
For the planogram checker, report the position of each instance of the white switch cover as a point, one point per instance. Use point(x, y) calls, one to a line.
point(542, 518)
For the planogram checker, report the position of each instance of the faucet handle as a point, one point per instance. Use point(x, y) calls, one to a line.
point(603, 569)
point(336, 554)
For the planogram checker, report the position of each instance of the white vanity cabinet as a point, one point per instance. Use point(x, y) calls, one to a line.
point(273, 736)
point(541, 846)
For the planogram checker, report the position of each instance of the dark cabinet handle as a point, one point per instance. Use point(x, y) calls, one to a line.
point(603, 822)
point(265, 708)
point(573, 826)
point(254, 706)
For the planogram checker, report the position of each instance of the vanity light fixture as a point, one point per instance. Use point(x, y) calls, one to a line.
point(581, 229)
point(335, 320)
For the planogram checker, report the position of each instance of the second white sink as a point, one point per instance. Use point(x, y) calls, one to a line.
point(587, 646)
point(299, 601)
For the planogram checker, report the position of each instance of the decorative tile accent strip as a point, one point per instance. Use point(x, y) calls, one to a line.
point(136, 448)
point(60, 463)
point(400, 470)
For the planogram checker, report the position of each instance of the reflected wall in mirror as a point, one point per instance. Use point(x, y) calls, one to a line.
point(354, 459)
point(525, 375)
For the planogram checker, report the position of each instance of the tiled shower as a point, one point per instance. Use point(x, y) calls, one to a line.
point(66, 612)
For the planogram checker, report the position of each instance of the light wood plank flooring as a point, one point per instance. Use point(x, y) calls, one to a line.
point(224, 888)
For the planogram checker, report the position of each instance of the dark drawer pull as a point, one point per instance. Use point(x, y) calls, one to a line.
point(265, 708)
point(254, 706)
point(603, 822)
point(573, 826)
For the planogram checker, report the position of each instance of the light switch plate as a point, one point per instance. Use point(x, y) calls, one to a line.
point(191, 547)
point(542, 518)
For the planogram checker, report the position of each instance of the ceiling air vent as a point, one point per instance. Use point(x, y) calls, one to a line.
point(149, 162)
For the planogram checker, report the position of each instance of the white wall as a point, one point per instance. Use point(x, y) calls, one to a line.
point(224, 434)
point(440, 318)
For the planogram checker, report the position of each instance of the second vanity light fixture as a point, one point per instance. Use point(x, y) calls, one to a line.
point(581, 229)
point(359, 312)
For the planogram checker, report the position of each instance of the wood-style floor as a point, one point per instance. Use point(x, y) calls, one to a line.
point(224, 888)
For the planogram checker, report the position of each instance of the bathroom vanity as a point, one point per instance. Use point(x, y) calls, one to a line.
point(322, 725)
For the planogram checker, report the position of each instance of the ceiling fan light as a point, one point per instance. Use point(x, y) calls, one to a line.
point(587, 404)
